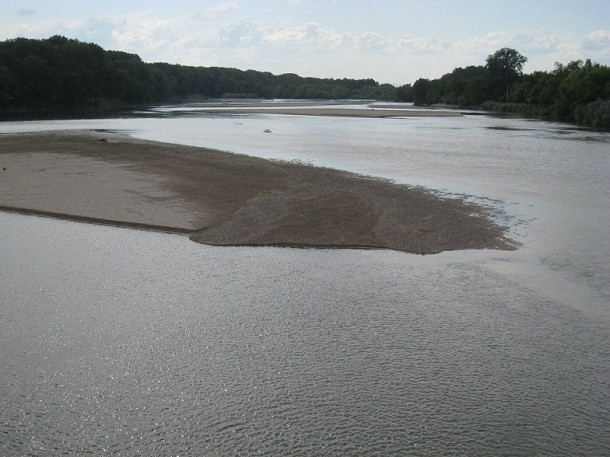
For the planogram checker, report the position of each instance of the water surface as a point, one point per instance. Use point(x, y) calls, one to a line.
point(139, 343)
point(143, 343)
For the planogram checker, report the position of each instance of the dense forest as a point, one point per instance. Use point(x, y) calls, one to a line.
point(577, 92)
point(62, 72)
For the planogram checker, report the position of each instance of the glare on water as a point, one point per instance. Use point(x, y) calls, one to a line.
point(131, 342)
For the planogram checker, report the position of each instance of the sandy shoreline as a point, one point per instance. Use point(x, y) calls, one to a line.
point(324, 108)
point(341, 112)
point(221, 198)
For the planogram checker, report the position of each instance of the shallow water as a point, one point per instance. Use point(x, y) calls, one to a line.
point(552, 179)
point(139, 343)
point(145, 343)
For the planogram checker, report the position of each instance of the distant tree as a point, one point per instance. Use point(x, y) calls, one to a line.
point(405, 93)
point(120, 56)
point(420, 91)
point(504, 67)
point(61, 72)
point(7, 90)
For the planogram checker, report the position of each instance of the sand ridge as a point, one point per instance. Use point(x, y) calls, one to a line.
point(221, 198)
point(371, 112)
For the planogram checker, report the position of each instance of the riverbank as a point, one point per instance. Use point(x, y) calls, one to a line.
point(221, 198)
point(372, 112)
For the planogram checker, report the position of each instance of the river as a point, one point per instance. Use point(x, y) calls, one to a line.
point(118, 341)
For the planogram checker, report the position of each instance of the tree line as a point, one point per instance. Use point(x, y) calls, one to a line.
point(62, 72)
point(578, 92)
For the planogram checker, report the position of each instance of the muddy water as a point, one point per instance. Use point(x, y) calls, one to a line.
point(139, 343)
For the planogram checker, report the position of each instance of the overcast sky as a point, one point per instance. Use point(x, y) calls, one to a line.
point(391, 41)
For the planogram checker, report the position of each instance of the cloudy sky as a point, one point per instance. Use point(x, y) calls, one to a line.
point(390, 41)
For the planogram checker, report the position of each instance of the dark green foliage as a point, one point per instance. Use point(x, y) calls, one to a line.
point(524, 109)
point(575, 92)
point(420, 92)
point(462, 87)
point(473, 85)
point(504, 67)
point(405, 93)
point(62, 72)
point(595, 114)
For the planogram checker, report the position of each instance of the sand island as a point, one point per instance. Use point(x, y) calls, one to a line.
point(221, 198)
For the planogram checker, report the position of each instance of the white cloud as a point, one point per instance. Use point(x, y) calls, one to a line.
point(288, 47)
point(315, 38)
point(598, 43)
point(308, 35)
point(40, 29)
point(427, 45)
point(541, 47)
point(98, 30)
point(538, 41)
point(157, 34)
point(222, 7)
point(242, 33)
point(481, 45)
point(370, 42)
point(284, 45)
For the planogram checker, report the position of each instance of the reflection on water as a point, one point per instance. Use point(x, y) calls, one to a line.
point(120, 341)
point(551, 177)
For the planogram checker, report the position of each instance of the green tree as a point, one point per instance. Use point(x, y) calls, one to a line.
point(405, 93)
point(420, 91)
point(504, 67)
point(7, 90)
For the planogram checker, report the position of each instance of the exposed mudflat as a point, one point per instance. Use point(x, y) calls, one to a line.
point(222, 198)
point(343, 112)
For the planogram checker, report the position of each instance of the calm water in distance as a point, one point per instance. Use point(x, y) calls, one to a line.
point(123, 341)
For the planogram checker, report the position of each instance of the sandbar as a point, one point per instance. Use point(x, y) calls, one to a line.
point(342, 112)
point(221, 198)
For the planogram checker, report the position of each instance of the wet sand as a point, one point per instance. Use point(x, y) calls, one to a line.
point(221, 198)
point(343, 112)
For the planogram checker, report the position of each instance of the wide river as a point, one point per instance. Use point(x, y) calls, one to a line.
point(125, 342)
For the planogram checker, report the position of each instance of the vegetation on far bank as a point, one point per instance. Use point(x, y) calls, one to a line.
point(577, 92)
point(61, 72)
point(64, 73)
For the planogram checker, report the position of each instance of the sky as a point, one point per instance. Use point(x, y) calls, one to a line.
point(391, 41)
